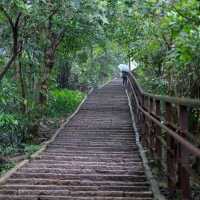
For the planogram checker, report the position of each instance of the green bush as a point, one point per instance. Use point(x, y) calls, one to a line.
point(4, 167)
point(29, 149)
point(62, 102)
point(13, 128)
point(8, 128)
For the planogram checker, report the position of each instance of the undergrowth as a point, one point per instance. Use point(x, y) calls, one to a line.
point(15, 134)
point(62, 102)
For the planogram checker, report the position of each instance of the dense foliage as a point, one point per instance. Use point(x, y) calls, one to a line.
point(48, 48)
point(163, 36)
point(63, 102)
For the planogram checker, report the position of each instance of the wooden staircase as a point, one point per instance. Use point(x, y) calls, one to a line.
point(95, 157)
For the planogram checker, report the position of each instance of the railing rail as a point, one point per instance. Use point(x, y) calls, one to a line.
point(175, 100)
point(164, 129)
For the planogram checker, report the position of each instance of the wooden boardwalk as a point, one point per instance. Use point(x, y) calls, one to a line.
point(95, 157)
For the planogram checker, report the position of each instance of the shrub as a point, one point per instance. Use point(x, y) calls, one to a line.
point(62, 102)
point(4, 167)
point(8, 127)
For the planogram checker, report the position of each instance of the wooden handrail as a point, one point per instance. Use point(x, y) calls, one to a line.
point(190, 147)
point(175, 100)
point(155, 114)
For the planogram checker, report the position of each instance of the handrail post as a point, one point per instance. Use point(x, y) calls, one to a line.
point(146, 106)
point(151, 128)
point(184, 156)
point(143, 122)
point(158, 133)
point(171, 165)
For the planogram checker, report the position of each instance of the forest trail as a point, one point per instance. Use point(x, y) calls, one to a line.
point(95, 157)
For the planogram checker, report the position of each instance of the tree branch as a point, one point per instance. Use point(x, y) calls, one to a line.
point(60, 36)
point(190, 19)
point(9, 63)
point(18, 18)
point(16, 46)
point(168, 43)
point(7, 16)
point(50, 18)
point(15, 34)
point(7, 66)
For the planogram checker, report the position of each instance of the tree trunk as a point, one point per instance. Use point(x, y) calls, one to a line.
point(22, 87)
point(49, 60)
point(48, 65)
point(17, 46)
point(64, 75)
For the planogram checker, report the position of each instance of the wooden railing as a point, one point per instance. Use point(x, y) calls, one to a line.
point(164, 130)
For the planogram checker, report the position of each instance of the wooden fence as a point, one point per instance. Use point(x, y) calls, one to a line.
point(164, 130)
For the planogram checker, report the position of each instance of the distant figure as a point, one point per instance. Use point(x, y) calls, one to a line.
point(124, 77)
point(124, 68)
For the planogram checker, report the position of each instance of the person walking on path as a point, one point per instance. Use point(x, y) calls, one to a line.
point(125, 69)
point(124, 78)
point(124, 73)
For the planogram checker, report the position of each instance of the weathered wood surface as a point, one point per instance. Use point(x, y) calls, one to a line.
point(95, 157)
